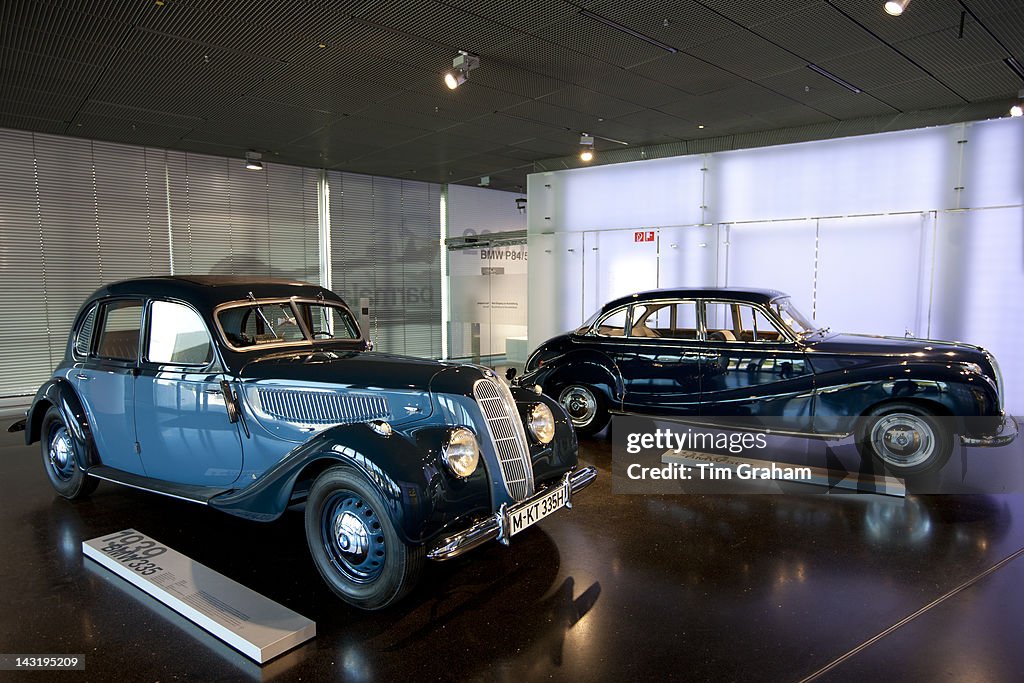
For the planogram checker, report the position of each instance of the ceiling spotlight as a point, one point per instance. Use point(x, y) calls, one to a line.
point(586, 147)
point(896, 7)
point(1017, 110)
point(463, 63)
point(253, 161)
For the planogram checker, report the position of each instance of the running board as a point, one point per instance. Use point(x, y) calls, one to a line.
point(186, 492)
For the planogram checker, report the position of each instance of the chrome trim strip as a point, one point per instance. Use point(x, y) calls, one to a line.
point(494, 527)
point(147, 490)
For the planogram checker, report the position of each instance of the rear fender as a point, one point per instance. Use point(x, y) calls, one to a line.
point(60, 393)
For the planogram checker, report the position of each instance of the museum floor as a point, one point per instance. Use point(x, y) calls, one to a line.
point(755, 587)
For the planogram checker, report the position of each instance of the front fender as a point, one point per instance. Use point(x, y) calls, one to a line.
point(420, 494)
point(60, 393)
point(578, 367)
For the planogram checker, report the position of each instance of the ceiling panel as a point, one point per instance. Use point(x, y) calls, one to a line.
point(593, 38)
point(357, 83)
point(734, 53)
point(688, 74)
point(816, 31)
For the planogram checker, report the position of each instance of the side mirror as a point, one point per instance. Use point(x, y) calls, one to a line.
point(510, 374)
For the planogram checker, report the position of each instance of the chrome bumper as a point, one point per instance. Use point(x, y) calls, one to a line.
point(1006, 433)
point(496, 526)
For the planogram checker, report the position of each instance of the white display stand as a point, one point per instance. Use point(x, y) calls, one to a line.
point(253, 624)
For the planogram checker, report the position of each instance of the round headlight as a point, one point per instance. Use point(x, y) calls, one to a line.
point(542, 423)
point(461, 454)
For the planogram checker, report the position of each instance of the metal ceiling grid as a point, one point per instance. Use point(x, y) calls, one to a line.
point(589, 37)
point(735, 53)
point(688, 74)
point(220, 78)
point(451, 27)
point(919, 92)
point(597, 104)
point(688, 24)
point(632, 87)
point(816, 32)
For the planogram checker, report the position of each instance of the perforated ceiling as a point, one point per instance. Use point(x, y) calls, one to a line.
point(223, 77)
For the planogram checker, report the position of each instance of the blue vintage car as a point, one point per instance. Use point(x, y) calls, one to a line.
point(252, 396)
point(715, 354)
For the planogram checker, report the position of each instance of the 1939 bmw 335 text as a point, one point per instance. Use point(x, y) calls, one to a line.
point(250, 397)
point(726, 353)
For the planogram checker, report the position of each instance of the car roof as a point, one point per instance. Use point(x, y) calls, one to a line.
point(207, 291)
point(745, 294)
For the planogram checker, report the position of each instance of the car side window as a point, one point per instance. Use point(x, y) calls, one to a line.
point(735, 322)
point(177, 336)
point(672, 320)
point(613, 325)
point(119, 334)
point(83, 341)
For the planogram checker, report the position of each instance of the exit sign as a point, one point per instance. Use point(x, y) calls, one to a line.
point(643, 236)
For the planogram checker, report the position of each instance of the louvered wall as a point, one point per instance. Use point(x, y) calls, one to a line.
point(76, 214)
point(385, 246)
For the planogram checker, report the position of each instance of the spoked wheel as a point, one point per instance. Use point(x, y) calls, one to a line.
point(355, 545)
point(586, 408)
point(60, 458)
point(905, 439)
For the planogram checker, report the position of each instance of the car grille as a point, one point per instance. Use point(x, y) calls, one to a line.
point(323, 407)
point(507, 435)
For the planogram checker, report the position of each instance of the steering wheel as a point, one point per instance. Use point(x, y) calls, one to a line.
point(717, 336)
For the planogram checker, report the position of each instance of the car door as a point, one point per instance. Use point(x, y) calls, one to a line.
point(181, 419)
point(752, 368)
point(105, 380)
point(660, 361)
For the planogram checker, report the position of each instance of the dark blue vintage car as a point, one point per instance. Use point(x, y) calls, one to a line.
point(250, 397)
point(715, 354)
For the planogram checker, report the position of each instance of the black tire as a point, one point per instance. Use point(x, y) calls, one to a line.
point(586, 406)
point(376, 568)
point(904, 439)
point(60, 453)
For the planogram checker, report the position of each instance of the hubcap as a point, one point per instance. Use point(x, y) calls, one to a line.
point(61, 452)
point(353, 538)
point(581, 405)
point(903, 439)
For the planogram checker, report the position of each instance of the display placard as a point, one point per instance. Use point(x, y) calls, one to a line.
point(247, 621)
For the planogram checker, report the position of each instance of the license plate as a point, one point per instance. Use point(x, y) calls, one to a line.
point(536, 511)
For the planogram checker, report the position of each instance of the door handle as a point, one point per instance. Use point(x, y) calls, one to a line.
point(214, 391)
point(82, 376)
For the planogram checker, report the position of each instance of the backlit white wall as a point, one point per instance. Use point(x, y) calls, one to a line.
point(919, 231)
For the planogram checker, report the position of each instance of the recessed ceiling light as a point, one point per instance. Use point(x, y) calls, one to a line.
point(322, 45)
point(700, 125)
point(896, 7)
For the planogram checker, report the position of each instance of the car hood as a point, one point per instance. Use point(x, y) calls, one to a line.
point(352, 369)
point(899, 347)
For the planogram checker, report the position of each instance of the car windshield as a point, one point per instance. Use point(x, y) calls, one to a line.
point(794, 319)
point(262, 323)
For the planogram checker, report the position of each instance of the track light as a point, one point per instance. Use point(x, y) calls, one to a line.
point(586, 147)
point(253, 161)
point(1017, 110)
point(463, 63)
point(896, 7)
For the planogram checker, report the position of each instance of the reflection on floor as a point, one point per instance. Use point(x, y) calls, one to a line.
point(653, 587)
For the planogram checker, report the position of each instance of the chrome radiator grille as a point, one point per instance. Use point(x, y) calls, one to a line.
point(322, 407)
point(507, 435)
